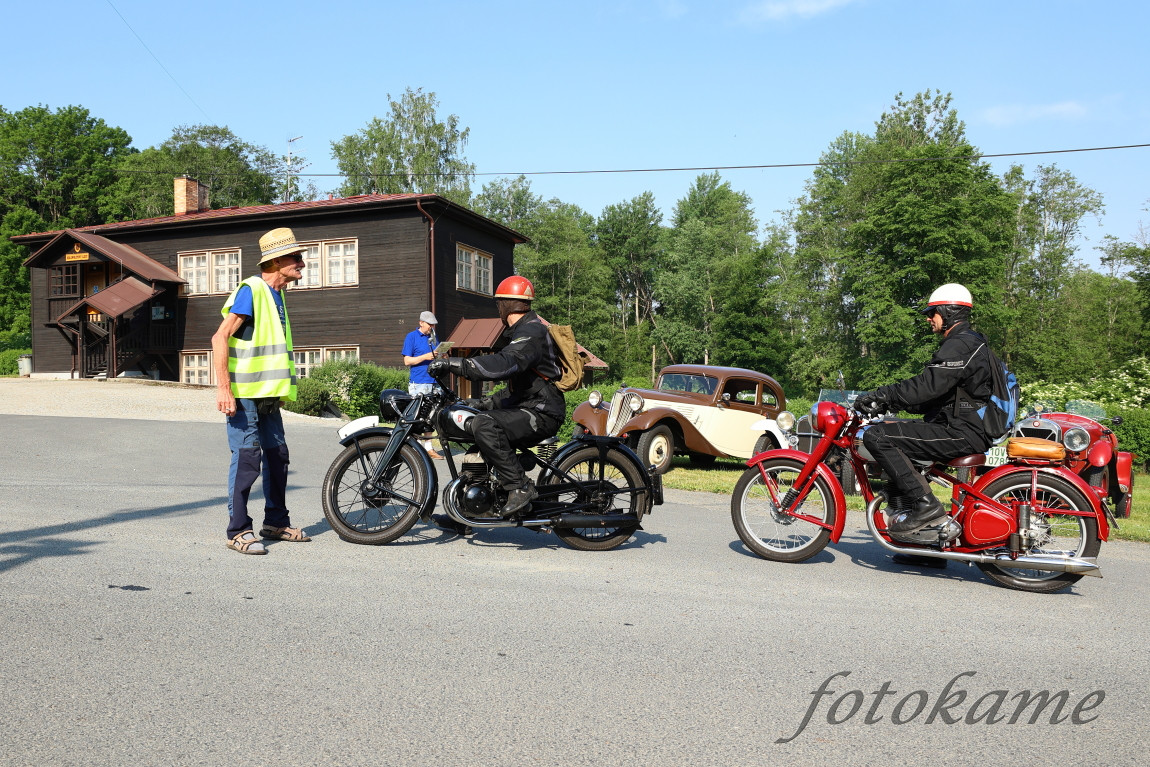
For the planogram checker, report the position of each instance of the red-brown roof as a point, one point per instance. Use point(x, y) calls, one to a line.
point(115, 300)
point(131, 259)
point(277, 209)
point(480, 334)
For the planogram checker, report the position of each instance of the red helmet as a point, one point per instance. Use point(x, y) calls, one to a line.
point(516, 287)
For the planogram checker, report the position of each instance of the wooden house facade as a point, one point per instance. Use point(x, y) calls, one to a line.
point(144, 297)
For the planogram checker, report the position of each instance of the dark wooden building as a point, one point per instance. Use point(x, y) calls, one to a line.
point(145, 296)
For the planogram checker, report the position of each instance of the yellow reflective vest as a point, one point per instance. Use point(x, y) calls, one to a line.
point(262, 365)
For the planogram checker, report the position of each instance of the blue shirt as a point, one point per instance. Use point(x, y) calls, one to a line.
point(243, 304)
point(416, 345)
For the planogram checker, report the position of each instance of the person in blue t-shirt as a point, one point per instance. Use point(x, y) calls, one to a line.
point(418, 352)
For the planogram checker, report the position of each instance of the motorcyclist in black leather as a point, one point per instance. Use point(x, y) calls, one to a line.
point(531, 408)
point(956, 382)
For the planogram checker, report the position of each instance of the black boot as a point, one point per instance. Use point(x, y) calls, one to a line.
point(926, 511)
point(519, 498)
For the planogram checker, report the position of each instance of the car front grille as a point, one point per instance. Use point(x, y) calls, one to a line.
point(618, 415)
point(1039, 428)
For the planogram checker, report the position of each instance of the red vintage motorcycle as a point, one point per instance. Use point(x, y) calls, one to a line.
point(1029, 524)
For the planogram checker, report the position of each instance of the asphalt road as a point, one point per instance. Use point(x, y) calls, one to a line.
point(132, 636)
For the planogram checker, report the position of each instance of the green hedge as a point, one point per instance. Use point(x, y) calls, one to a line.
point(351, 386)
point(8, 364)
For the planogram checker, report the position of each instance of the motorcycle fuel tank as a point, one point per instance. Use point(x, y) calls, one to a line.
point(453, 422)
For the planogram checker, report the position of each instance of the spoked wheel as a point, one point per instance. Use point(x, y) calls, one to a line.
point(614, 485)
point(363, 511)
point(1053, 534)
point(764, 528)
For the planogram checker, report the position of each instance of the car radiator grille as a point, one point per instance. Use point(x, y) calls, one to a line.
point(618, 415)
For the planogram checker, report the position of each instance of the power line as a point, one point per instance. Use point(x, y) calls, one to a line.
point(157, 60)
point(405, 174)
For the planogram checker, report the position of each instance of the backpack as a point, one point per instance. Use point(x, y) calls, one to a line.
point(1001, 410)
point(568, 356)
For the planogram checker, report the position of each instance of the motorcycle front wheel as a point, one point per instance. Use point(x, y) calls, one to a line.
point(374, 513)
point(1052, 533)
point(613, 485)
point(765, 529)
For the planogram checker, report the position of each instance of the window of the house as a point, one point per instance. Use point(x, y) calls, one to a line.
point(64, 281)
point(196, 368)
point(330, 264)
point(210, 271)
point(472, 270)
point(307, 360)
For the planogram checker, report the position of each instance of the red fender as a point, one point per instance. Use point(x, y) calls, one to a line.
point(823, 472)
point(1080, 484)
point(1099, 453)
point(1124, 468)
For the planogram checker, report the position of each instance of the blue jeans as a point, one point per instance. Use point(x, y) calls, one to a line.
point(257, 438)
point(421, 388)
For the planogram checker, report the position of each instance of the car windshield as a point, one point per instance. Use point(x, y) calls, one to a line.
point(688, 383)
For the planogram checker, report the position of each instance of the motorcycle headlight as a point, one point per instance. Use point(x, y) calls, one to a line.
point(595, 398)
point(1076, 439)
point(633, 402)
point(785, 420)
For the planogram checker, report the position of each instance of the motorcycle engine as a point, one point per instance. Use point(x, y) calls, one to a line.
point(477, 495)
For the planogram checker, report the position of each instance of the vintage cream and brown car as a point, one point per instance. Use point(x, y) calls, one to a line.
point(697, 410)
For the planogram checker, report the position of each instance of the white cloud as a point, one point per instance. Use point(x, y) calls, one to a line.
point(1015, 114)
point(780, 10)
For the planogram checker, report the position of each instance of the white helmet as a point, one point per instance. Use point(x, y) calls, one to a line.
point(951, 294)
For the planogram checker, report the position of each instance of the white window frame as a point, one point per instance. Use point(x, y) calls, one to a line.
point(330, 264)
point(205, 273)
point(186, 369)
point(323, 354)
point(473, 269)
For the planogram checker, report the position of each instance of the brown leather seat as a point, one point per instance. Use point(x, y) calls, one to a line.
point(978, 459)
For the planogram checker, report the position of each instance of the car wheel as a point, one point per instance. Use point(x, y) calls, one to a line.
point(765, 442)
point(657, 448)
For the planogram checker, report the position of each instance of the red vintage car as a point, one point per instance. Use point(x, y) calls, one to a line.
point(1091, 449)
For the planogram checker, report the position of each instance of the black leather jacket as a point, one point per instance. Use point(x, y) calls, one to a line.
point(955, 383)
point(525, 358)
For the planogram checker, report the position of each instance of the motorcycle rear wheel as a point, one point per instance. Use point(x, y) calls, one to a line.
point(774, 535)
point(617, 487)
point(1067, 535)
point(374, 515)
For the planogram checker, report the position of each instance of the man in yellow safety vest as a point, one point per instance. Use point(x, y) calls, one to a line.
point(252, 356)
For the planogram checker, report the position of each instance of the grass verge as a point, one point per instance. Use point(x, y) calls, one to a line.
point(721, 476)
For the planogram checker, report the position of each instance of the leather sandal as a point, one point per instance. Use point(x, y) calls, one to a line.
point(246, 543)
point(292, 534)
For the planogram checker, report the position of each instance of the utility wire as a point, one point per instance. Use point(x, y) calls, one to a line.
point(405, 174)
point(157, 60)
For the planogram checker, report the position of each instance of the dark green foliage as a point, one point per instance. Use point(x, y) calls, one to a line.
point(1133, 433)
point(354, 387)
point(312, 398)
point(8, 364)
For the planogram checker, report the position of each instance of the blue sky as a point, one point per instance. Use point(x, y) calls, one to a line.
point(612, 85)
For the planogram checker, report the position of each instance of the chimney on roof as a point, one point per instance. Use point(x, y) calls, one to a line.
point(191, 196)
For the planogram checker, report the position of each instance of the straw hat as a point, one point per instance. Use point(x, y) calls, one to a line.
point(278, 242)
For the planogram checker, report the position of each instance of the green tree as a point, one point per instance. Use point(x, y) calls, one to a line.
point(572, 284)
point(56, 164)
point(909, 210)
point(409, 151)
point(511, 203)
point(237, 173)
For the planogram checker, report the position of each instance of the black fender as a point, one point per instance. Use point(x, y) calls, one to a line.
point(428, 465)
point(653, 483)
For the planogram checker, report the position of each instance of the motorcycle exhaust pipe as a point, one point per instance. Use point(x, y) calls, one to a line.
point(591, 520)
point(1079, 565)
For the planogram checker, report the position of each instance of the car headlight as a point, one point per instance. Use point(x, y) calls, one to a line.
point(595, 398)
point(633, 402)
point(785, 420)
point(1076, 438)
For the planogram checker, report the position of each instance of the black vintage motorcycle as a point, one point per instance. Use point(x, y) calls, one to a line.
point(593, 491)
